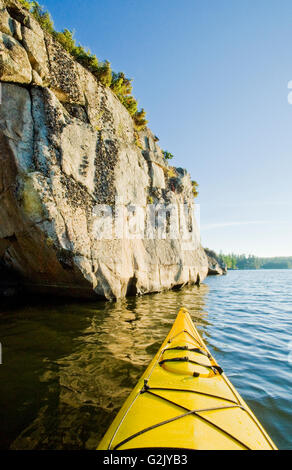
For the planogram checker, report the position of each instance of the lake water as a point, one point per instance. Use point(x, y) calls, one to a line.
point(68, 367)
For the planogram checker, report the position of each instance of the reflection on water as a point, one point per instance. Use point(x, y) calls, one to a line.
point(68, 368)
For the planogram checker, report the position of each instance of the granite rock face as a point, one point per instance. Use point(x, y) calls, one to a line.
point(77, 190)
point(216, 265)
point(14, 63)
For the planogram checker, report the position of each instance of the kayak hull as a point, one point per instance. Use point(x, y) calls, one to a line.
point(184, 400)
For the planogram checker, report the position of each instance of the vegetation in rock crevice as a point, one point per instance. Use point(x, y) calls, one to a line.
point(171, 172)
point(118, 82)
point(195, 188)
point(167, 155)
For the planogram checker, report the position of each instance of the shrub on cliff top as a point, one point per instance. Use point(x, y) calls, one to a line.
point(104, 73)
point(130, 103)
point(140, 120)
point(26, 4)
point(195, 187)
point(101, 71)
point(42, 16)
point(66, 39)
point(85, 58)
point(122, 87)
point(171, 172)
point(167, 155)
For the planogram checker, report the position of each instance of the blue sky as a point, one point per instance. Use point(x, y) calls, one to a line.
point(213, 76)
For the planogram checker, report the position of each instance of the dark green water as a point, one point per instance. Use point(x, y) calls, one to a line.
point(67, 368)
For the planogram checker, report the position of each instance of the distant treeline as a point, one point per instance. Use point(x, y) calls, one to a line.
point(252, 262)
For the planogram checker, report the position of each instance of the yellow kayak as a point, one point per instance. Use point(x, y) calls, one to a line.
point(184, 400)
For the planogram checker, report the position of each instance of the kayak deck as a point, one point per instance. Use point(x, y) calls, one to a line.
point(184, 400)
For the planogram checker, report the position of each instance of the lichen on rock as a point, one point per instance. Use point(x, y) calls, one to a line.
point(14, 64)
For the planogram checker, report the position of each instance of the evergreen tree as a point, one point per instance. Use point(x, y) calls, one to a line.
point(121, 85)
point(195, 187)
point(104, 73)
point(167, 155)
point(85, 58)
point(131, 104)
point(43, 17)
point(140, 120)
point(26, 4)
point(66, 39)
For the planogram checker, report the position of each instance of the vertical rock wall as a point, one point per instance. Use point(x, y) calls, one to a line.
point(67, 151)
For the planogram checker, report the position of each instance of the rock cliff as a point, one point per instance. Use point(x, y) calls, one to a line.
point(216, 265)
point(68, 151)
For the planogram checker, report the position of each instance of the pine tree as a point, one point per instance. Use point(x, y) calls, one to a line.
point(66, 39)
point(104, 73)
point(43, 17)
point(195, 187)
point(167, 155)
point(140, 120)
point(26, 4)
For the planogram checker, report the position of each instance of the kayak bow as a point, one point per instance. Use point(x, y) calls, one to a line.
point(184, 400)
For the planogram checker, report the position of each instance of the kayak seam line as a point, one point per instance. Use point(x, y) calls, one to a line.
point(122, 420)
point(259, 426)
point(154, 365)
point(231, 389)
